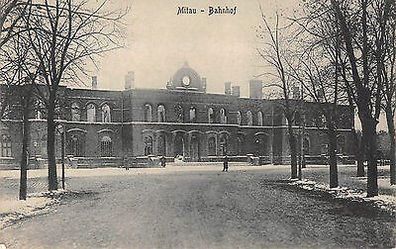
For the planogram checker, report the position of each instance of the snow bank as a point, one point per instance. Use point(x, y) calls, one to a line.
point(384, 202)
point(36, 203)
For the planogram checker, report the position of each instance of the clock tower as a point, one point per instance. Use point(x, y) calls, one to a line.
point(186, 79)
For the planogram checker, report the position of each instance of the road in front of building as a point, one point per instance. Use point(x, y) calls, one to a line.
point(199, 207)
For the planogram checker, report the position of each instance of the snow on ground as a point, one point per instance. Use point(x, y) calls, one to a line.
point(384, 202)
point(12, 210)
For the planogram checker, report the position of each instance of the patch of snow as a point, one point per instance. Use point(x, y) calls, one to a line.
point(384, 202)
point(36, 203)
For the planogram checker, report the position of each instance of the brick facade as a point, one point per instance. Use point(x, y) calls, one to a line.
point(180, 120)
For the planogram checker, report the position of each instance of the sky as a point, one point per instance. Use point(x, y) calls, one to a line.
point(220, 48)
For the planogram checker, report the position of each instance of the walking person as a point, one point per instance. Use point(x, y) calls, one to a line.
point(163, 161)
point(225, 163)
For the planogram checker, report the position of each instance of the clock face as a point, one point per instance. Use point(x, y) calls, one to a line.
point(186, 81)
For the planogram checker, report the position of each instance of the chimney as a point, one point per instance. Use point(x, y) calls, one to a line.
point(256, 89)
point(204, 84)
point(94, 82)
point(129, 80)
point(227, 88)
point(236, 91)
point(296, 92)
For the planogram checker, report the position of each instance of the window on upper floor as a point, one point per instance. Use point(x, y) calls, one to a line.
point(193, 114)
point(210, 115)
point(161, 113)
point(40, 109)
point(91, 113)
point(260, 120)
point(179, 114)
point(75, 112)
point(249, 116)
point(106, 113)
point(148, 113)
point(239, 118)
point(223, 116)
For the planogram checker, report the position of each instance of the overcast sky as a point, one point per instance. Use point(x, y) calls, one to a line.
point(220, 48)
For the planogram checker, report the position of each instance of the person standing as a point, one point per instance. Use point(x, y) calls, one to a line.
point(225, 163)
point(163, 161)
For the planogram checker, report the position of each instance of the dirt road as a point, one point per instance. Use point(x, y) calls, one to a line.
point(200, 208)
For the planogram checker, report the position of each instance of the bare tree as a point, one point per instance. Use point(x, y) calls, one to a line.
point(318, 70)
point(11, 12)
point(275, 54)
point(357, 25)
point(388, 37)
point(63, 36)
point(18, 74)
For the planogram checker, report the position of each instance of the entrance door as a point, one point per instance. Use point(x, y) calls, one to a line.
point(194, 148)
point(179, 145)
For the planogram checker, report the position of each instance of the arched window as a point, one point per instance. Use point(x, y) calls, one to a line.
point(76, 144)
point(240, 146)
point(40, 108)
point(179, 114)
point(106, 113)
point(239, 118)
point(297, 118)
point(5, 146)
point(260, 146)
point(148, 113)
point(306, 146)
point(260, 118)
point(106, 146)
point(161, 113)
point(212, 146)
point(223, 116)
point(193, 114)
point(91, 113)
point(148, 145)
point(75, 112)
point(161, 145)
point(249, 116)
point(210, 115)
point(223, 144)
point(341, 144)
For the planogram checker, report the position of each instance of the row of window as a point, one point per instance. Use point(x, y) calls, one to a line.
point(76, 145)
point(223, 119)
point(91, 113)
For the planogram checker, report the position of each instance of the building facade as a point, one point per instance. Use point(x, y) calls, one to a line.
point(116, 127)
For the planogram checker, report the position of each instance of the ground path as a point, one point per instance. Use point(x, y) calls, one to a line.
point(198, 207)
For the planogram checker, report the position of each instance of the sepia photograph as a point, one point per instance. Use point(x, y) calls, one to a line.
point(197, 124)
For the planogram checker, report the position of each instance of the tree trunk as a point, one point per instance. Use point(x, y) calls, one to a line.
point(52, 175)
point(392, 136)
point(24, 157)
point(370, 137)
point(293, 152)
point(332, 136)
point(359, 152)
